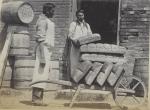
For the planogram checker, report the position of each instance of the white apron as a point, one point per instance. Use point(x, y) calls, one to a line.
point(41, 72)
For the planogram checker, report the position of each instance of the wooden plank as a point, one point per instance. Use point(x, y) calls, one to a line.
point(5, 51)
point(59, 82)
point(118, 22)
point(77, 92)
point(85, 91)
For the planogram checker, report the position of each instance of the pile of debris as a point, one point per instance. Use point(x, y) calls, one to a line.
point(99, 63)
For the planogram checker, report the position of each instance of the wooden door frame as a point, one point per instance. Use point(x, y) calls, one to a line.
point(118, 24)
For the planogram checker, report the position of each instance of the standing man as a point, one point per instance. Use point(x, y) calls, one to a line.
point(45, 30)
point(78, 28)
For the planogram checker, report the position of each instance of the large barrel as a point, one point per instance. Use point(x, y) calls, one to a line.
point(141, 69)
point(23, 71)
point(20, 43)
point(17, 12)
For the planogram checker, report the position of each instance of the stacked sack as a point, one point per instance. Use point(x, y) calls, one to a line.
point(99, 63)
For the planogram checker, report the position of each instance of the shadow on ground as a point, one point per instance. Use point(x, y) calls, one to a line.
point(90, 105)
point(26, 102)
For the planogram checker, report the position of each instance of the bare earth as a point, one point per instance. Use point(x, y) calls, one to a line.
point(21, 100)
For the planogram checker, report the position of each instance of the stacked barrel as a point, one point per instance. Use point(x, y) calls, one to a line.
point(99, 63)
point(17, 15)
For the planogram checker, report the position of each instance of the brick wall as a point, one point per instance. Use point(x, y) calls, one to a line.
point(62, 20)
point(134, 33)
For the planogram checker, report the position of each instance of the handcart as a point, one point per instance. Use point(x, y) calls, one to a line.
point(126, 91)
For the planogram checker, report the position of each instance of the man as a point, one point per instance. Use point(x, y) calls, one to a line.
point(45, 30)
point(78, 28)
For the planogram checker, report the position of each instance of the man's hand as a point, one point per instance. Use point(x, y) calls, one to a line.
point(50, 48)
point(41, 39)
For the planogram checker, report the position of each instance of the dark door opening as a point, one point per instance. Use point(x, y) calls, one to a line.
point(102, 15)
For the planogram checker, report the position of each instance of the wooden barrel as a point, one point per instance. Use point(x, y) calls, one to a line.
point(23, 71)
point(141, 69)
point(20, 43)
point(17, 12)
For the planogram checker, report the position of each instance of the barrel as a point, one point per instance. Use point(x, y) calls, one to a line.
point(23, 71)
point(20, 43)
point(17, 12)
point(141, 69)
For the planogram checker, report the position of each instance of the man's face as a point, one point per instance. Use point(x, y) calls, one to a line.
point(50, 13)
point(80, 16)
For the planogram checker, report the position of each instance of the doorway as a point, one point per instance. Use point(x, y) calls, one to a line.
point(102, 15)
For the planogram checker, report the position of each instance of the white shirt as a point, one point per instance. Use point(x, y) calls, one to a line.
point(45, 28)
point(77, 30)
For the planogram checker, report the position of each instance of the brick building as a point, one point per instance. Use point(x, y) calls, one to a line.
point(130, 30)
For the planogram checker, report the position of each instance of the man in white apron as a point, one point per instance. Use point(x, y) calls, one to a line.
point(45, 30)
point(78, 28)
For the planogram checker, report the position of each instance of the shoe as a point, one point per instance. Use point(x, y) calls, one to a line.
point(38, 103)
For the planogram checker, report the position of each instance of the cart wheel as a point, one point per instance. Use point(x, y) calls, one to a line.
point(130, 91)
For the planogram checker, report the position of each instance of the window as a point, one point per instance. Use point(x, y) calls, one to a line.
point(102, 15)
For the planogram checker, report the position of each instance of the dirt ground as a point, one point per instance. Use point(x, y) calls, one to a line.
point(21, 100)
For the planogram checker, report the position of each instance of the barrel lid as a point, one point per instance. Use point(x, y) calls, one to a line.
point(26, 13)
point(16, 12)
